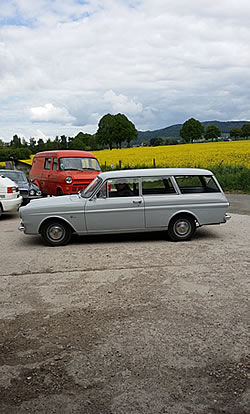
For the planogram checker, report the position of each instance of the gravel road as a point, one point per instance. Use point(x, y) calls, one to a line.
point(126, 325)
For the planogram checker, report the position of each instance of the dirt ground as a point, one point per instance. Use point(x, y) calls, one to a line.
point(126, 325)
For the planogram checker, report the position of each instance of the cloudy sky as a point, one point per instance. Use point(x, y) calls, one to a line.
point(66, 63)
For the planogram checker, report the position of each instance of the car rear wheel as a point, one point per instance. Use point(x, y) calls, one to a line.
point(56, 233)
point(1, 210)
point(181, 228)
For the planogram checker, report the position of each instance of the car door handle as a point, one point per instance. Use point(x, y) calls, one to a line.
point(137, 201)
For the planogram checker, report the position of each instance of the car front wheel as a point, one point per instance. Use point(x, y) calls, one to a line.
point(181, 228)
point(56, 233)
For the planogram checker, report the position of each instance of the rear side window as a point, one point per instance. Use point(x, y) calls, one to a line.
point(157, 186)
point(189, 184)
point(47, 163)
point(55, 166)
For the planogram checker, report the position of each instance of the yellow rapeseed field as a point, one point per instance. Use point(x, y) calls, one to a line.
point(234, 153)
point(207, 154)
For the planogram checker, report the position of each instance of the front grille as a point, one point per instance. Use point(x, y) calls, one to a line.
point(24, 193)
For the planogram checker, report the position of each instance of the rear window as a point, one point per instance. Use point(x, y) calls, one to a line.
point(189, 184)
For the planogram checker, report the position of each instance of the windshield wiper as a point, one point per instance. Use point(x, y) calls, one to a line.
point(72, 169)
point(91, 169)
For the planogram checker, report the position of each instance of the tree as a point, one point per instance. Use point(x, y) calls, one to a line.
point(156, 142)
point(63, 142)
point(171, 141)
point(212, 132)
point(83, 141)
point(32, 145)
point(41, 145)
point(114, 129)
point(126, 130)
point(16, 142)
point(235, 132)
point(245, 130)
point(191, 129)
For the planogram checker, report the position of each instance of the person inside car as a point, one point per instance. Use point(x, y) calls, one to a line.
point(123, 189)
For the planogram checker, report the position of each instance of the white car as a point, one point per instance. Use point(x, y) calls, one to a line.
point(10, 199)
point(175, 200)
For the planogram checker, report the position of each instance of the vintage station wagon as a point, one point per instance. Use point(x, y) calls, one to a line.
point(176, 200)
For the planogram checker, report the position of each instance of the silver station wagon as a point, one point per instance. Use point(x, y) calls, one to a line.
point(176, 200)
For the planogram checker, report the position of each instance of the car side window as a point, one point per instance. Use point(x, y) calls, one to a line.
point(190, 184)
point(157, 186)
point(121, 187)
point(55, 165)
point(47, 163)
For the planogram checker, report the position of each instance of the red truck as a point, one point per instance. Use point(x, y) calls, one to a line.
point(62, 172)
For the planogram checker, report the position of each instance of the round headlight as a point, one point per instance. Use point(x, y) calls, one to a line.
point(68, 180)
point(38, 193)
point(32, 192)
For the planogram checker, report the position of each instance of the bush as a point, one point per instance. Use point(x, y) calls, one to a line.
point(15, 154)
point(233, 178)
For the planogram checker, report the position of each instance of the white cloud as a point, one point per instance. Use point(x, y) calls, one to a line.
point(158, 62)
point(50, 113)
point(121, 103)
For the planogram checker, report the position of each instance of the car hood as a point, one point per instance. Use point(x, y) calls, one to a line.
point(47, 204)
point(23, 186)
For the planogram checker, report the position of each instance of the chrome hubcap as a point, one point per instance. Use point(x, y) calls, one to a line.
point(182, 228)
point(55, 232)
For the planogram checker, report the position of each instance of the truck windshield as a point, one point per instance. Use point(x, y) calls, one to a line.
point(91, 187)
point(79, 164)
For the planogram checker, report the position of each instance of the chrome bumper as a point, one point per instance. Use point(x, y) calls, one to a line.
point(227, 217)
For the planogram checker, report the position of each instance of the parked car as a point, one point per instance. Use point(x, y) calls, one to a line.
point(29, 191)
point(174, 200)
point(10, 199)
point(63, 171)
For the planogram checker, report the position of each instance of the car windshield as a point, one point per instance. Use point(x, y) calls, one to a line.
point(91, 187)
point(16, 176)
point(79, 164)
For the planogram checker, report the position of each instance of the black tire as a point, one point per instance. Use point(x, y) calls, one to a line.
point(1, 210)
point(59, 192)
point(56, 233)
point(181, 228)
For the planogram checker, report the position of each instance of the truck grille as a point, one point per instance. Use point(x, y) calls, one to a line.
point(79, 187)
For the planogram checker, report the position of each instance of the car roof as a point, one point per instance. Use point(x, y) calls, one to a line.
point(66, 153)
point(153, 172)
point(2, 171)
point(7, 181)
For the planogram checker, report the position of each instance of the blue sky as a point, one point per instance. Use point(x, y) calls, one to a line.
point(66, 63)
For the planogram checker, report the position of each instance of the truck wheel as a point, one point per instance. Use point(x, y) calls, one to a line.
point(181, 228)
point(59, 192)
point(1, 210)
point(56, 233)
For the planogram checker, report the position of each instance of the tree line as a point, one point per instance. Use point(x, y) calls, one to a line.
point(114, 131)
point(193, 129)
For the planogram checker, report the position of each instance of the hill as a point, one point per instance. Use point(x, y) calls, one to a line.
point(174, 130)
